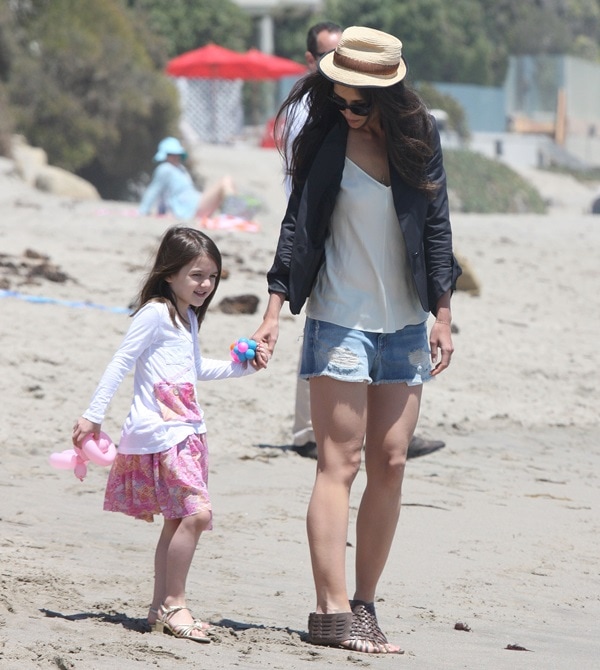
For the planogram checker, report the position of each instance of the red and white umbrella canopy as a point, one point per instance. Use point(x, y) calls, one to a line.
point(216, 62)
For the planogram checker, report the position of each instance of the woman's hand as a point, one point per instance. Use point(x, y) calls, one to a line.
point(440, 337)
point(266, 337)
point(268, 332)
point(440, 342)
point(82, 428)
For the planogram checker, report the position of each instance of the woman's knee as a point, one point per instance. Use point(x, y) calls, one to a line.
point(341, 465)
point(387, 467)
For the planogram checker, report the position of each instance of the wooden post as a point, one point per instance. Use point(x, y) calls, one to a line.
point(560, 124)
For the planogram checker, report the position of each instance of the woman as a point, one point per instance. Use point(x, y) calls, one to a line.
point(172, 188)
point(366, 239)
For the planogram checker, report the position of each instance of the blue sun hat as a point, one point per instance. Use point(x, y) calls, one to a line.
point(170, 145)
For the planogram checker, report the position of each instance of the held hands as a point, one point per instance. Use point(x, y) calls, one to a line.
point(261, 359)
point(266, 336)
point(268, 331)
point(247, 349)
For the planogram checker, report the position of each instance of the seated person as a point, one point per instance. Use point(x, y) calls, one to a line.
point(172, 188)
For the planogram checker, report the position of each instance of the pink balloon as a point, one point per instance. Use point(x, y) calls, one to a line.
point(242, 347)
point(80, 470)
point(63, 460)
point(101, 451)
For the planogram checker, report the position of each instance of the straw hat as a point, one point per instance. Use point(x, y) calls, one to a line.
point(365, 58)
point(170, 145)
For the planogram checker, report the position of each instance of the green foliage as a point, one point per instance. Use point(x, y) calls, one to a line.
point(584, 175)
point(189, 24)
point(6, 123)
point(442, 41)
point(6, 117)
point(84, 88)
point(469, 41)
point(486, 186)
point(291, 26)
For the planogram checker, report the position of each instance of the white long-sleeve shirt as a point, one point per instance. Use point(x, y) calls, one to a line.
point(160, 352)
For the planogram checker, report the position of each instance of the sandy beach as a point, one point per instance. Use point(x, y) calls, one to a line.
point(499, 530)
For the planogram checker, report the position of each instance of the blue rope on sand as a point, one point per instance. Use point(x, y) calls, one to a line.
point(66, 303)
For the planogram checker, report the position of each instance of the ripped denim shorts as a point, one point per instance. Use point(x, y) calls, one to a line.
point(358, 356)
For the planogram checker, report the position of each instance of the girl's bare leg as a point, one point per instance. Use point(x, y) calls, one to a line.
point(173, 558)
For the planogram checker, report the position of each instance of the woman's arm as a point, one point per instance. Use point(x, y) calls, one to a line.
point(268, 332)
point(442, 268)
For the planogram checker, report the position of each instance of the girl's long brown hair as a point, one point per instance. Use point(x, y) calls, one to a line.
point(179, 246)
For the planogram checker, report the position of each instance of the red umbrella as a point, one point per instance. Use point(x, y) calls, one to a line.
point(208, 62)
point(215, 62)
point(267, 66)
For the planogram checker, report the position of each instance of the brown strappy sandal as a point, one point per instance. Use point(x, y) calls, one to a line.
point(366, 624)
point(348, 631)
point(329, 629)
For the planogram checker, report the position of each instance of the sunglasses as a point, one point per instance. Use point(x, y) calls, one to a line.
point(358, 108)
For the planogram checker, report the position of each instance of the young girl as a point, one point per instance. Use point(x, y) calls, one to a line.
point(162, 461)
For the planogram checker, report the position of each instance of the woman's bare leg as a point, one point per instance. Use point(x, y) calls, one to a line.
point(339, 419)
point(393, 410)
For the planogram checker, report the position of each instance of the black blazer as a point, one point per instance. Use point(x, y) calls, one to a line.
point(425, 224)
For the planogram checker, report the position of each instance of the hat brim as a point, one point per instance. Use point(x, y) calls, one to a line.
point(354, 79)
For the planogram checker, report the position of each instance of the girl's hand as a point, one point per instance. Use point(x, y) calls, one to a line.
point(82, 428)
point(440, 341)
point(261, 360)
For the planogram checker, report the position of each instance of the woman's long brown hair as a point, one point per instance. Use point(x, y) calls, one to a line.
point(403, 116)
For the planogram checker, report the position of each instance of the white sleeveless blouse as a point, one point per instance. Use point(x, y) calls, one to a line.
point(365, 282)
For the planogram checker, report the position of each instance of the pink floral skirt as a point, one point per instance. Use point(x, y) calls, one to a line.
point(172, 483)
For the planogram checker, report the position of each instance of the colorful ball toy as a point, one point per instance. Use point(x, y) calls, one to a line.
point(243, 350)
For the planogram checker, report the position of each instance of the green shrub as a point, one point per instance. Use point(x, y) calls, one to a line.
point(6, 123)
point(487, 186)
point(84, 87)
point(584, 175)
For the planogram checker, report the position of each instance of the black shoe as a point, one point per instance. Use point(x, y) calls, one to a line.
point(308, 450)
point(420, 447)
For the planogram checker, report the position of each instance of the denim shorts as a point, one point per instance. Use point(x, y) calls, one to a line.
point(358, 356)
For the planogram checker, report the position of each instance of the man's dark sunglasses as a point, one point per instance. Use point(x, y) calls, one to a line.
point(358, 108)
